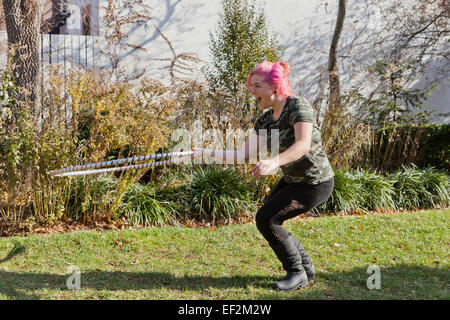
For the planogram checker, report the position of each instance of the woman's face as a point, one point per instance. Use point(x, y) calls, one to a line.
point(262, 91)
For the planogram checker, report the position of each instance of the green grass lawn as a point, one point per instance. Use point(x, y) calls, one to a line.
point(235, 262)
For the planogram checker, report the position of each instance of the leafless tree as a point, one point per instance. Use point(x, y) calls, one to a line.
point(333, 71)
point(417, 31)
point(332, 117)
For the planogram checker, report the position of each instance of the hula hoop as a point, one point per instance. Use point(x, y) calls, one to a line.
point(93, 168)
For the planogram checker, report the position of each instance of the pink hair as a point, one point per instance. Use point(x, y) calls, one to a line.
point(274, 73)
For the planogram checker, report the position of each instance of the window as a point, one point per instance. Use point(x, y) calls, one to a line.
point(71, 17)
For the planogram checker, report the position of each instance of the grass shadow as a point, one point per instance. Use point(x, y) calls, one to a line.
point(13, 284)
point(16, 250)
point(399, 282)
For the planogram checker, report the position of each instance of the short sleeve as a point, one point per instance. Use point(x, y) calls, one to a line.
point(302, 112)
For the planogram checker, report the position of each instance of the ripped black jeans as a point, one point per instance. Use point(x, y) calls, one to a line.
point(286, 201)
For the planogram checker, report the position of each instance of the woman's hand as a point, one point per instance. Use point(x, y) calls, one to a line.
point(264, 167)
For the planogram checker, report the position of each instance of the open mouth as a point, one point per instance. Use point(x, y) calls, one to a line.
point(258, 100)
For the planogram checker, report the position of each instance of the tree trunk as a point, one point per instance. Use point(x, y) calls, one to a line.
point(23, 22)
point(335, 101)
point(334, 116)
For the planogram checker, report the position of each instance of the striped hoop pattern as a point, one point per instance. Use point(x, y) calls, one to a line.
point(94, 168)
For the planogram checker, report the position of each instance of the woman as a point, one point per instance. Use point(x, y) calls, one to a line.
point(308, 178)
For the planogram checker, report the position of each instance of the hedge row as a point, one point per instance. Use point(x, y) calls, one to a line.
point(224, 193)
point(425, 146)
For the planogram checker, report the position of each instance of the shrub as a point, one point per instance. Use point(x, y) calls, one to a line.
point(143, 205)
point(16, 137)
point(114, 115)
point(378, 190)
point(261, 186)
point(392, 147)
point(394, 102)
point(435, 146)
point(90, 197)
point(420, 188)
point(348, 194)
point(85, 117)
point(217, 192)
point(409, 188)
point(342, 129)
point(241, 41)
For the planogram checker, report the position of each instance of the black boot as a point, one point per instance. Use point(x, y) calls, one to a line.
point(291, 259)
point(306, 260)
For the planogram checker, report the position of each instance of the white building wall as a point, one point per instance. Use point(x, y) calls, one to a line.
point(304, 29)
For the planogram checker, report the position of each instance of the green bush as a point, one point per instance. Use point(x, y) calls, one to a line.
point(240, 41)
point(143, 205)
point(90, 196)
point(409, 188)
point(347, 195)
point(216, 192)
point(378, 190)
point(435, 147)
point(420, 188)
point(219, 192)
point(425, 146)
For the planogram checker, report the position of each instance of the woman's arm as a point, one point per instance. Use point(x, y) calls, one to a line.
point(248, 152)
point(301, 146)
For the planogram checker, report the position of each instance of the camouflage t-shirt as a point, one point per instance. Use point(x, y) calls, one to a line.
point(313, 167)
